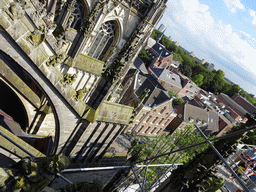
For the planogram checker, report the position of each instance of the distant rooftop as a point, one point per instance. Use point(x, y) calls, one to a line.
point(140, 65)
point(233, 103)
point(157, 94)
point(166, 75)
point(195, 115)
point(159, 48)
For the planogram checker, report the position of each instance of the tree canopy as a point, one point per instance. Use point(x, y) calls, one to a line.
point(212, 81)
point(198, 79)
point(164, 144)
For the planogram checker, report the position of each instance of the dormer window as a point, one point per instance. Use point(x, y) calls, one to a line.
point(161, 121)
point(204, 123)
point(148, 118)
point(147, 130)
point(191, 119)
point(167, 121)
point(198, 121)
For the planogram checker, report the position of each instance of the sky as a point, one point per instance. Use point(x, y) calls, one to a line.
point(222, 32)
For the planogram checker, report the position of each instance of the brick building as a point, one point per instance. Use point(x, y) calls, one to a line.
point(224, 125)
point(189, 88)
point(189, 114)
point(169, 80)
point(160, 57)
point(155, 111)
point(236, 110)
point(244, 103)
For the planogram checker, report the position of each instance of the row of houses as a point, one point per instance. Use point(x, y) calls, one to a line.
point(155, 113)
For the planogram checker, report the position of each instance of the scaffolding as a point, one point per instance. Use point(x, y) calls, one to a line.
point(137, 181)
point(137, 177)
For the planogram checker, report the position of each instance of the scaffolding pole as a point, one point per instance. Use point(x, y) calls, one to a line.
point(138, 180)
point(220, 156)
point(117, 167)
point(215, 139)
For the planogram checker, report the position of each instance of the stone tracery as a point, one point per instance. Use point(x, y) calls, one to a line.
point(103, 40)
point(78, 15)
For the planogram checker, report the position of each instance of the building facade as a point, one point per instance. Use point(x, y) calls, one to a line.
point(188, 114)
point(244, 103)
point(69, 57)
point(152, 104)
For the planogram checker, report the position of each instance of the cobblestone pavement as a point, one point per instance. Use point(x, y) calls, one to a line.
point(121, 144)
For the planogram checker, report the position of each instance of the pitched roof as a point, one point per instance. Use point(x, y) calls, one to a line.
point(195, 113)
point(157, 94)
point(233, 103)
point(159, 48)
point(167, 76)
point(213, 121)
point(140, 65)
point(151, 42)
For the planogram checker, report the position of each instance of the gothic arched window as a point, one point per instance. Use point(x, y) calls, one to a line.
point(103, 41)
point(78, 14)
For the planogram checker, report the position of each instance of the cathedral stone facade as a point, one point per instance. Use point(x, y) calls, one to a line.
point(65, 59)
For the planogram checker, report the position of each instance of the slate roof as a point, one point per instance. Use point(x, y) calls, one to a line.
point(167, 76)
point(233, 103)
point(213, 121)
point(196, 113)
point(140, 65)
point(157, 94)
point(159, 48)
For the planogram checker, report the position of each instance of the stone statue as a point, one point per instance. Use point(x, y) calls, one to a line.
point(69, 78)
point(70, 20)
point(32, 174)
point(38, 36)
point(15, 10)
point(55, 59)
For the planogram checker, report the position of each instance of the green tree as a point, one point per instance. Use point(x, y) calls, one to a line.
point(220, 74)
point(233, 89)
point(166, 42)
point(198, 79)
point(186, 70)
point(163, 144)
point(198, 174)
point(171, 94)
point(143, 56)
point(156, 34)
point(206, 65)
point(177, 101)
point(177, 57)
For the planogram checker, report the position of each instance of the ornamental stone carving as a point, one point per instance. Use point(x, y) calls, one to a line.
point(15, 10)
point(38, 36)
point(56, 59)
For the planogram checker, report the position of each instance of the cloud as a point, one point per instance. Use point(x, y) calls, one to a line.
point(233, 5)
point(253, 14)
point(193, 26)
